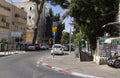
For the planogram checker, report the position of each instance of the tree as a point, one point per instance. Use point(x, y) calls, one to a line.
point(65, 38)
point(91, 15)
point(60, 28)
point(40, 4)
point(49, 20)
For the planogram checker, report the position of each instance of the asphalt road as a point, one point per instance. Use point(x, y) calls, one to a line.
point(25, 66)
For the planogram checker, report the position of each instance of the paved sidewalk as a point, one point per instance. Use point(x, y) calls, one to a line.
point(6, 53)
point(70, 63)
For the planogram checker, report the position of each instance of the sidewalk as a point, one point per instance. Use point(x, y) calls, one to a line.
point(6, 53)
point(70, 63)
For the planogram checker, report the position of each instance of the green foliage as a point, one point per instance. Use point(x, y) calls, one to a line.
point(65, 38)
point(91, 15)
point(59, 32)
point(18, 39)
point(2, 40)
point(56, 18)
point(79, 36)
point(49, 19)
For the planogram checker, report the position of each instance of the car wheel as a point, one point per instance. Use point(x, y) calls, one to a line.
point(117, 64)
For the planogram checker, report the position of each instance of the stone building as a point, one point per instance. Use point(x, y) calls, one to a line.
point(12, 21)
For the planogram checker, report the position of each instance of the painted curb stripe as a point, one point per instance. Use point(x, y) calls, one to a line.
point(84, 75)
point(66, 71)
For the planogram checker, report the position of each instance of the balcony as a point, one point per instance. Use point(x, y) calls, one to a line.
point(2, 24)
point(20, 20)
point(4, 12)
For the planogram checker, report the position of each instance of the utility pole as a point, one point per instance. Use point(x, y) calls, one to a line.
point(70, 36)
point(70, 40)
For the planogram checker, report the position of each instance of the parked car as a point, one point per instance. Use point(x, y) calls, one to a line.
point(30, 47)
point(114, 61)
point(57, 49)
point(37, 47)
point(44, 46)
point(66, 47)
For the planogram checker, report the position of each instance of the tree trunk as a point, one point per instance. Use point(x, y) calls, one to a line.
point(39, 11)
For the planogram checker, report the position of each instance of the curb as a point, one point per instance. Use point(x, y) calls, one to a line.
point(64, 71)
point(11, 53)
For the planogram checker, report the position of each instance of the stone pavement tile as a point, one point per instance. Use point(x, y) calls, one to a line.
point(69, 62)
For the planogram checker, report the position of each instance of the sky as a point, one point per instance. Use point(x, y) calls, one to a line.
point(14, 0)
point(56, 9)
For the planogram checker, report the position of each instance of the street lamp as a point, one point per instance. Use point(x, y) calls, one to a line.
point(70, 37)
point(110, 23)
point(70, 40)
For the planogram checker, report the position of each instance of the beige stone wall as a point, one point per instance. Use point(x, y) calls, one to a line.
point(31, 10)
point(5, 12)
point(29, 36)
point(20, 19)
point(11, 19)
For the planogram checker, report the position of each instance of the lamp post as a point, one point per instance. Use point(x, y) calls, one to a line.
point(70, 36)
point(70, 40)
point(108, 24)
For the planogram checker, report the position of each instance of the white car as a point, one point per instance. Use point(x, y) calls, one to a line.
point(57, 49)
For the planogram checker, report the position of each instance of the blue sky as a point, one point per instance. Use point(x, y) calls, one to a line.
point(56, 9)
point(14, 0)
point(61, 11)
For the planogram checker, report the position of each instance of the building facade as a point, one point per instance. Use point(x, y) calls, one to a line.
point(32, 15)
point(30, 8)
point(5, 12)
point(12, 20)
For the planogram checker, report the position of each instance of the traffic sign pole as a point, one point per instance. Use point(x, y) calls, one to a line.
point(54, 33)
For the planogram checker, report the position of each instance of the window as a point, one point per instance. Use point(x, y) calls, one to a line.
point(7, 24)
point(22, 8)
point(29, 17)
point(30, 8)
point(3, 20)
point(17, 15)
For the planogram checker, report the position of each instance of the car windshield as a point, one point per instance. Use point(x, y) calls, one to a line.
point(57, 46)
point(43, 44)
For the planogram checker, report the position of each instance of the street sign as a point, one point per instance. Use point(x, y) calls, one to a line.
point(54, 29)
point(54, 34)
point(54, 24)
point(15, 34)
point(23, 35)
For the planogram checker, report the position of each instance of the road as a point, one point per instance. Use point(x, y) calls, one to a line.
point(25, 66)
